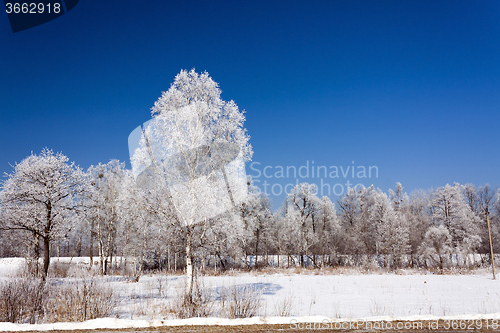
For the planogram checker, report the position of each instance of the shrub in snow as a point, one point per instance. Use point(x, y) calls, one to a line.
point(241, 301)
point(21, 301)
point(82, 300)
point(29, 300)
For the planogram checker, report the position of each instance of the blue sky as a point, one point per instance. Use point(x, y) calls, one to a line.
point(412, 87)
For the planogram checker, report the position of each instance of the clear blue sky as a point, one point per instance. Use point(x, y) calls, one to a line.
point(412, 87)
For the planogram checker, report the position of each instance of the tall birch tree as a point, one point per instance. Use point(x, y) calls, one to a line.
point(194, 149)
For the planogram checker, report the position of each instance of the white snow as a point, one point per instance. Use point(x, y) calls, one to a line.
point(112, 323)
point(314, 298)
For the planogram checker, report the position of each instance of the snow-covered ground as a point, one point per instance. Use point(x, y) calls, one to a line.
point(335, 296)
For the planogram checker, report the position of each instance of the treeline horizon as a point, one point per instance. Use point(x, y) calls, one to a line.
point(101, 213)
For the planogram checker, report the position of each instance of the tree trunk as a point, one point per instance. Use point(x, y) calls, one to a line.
point(189, 268)
point(169, 266)
point(108, 254)
point(257, 234)
point(36, 249)
point(46, 242)
point(91, 249)
point(46, 257)
point(101, 249)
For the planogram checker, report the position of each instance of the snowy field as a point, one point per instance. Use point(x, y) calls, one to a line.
point(343, 295)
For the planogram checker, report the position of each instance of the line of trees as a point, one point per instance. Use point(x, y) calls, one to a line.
point(182, 204)
point(404, 230)
point(50, 207)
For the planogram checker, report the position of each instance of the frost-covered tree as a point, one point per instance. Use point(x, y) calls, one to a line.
point(376, 206)
point(257, 217)
point(287, 233)
point(349, 211)
point(394, 230)
point(362, 211)
point(194, 149)
point(141, 237)
point(451, 210)
point(328, 235)
point(394, 235)
point(304, 201)
point(485, 199)
point(471, 197)
point(419, 220)
point(42, 198)
point(481, 201)
point(399, 199)
point(108, 182)
point(312, 223)
point(437, 243)
point(373, 223)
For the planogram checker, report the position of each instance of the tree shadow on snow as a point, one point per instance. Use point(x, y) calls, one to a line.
point(245, 288)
